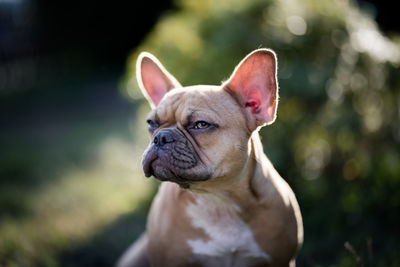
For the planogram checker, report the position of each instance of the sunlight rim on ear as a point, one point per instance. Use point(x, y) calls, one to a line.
point(254, 83)
point(153, 79)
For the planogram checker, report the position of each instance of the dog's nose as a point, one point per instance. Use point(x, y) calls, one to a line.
point(162, 138)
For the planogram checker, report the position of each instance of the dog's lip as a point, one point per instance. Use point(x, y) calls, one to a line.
point(148, 159)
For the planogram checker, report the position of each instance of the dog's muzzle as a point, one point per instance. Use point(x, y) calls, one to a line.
point(171, 157)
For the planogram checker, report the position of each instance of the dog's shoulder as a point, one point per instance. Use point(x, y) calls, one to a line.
point(274, 194)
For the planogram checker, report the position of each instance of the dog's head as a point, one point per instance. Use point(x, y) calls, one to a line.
point(202, 132)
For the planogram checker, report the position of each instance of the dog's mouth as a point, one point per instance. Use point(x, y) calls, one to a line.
point(148, 158)
point(165, 165)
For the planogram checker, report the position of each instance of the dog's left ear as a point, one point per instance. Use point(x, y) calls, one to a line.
point(154, 80)
point(255, 86)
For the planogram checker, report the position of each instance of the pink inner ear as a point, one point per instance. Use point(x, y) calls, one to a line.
point(157, 96)
point(266, 108)
point(154, 80)
point(255, 107)
point(255, 85)
point(155, 87)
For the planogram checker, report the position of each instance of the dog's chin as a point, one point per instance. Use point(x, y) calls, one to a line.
point(166, 165)
point(159, 169)
point(183, 178)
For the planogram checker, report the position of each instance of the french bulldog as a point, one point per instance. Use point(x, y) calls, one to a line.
point(221, 202)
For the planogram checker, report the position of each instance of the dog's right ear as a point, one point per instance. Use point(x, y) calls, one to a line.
point(154, 80)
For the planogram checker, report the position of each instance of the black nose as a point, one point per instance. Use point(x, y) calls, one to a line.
point(162, 138)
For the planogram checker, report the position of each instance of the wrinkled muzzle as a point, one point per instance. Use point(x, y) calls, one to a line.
point(171, 157)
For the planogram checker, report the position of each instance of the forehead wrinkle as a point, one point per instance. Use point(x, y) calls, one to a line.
point(214, 111)
point(179, 112)
point(190, 116)
point(204, 115)
point(204, 107)
point(209, 106)
point(190, 111)
point(168, 107)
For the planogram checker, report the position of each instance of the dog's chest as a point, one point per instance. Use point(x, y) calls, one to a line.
point(230, 241)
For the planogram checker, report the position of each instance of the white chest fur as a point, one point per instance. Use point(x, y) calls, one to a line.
point(230, 240)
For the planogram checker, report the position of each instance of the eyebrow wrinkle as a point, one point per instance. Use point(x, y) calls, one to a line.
point(211, 108)
point(190, 116)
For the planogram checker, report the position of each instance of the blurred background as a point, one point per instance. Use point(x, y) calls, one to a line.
point(72, 127)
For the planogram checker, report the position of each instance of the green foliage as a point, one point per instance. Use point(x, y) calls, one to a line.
point(336, 139)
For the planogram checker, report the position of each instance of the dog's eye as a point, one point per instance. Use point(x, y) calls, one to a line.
point(201, 125)
point(152, 124)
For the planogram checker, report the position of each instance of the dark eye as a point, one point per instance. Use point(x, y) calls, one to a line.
point(201, 125)
point(152, 124)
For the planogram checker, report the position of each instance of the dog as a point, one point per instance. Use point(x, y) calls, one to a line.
point(221, 202)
